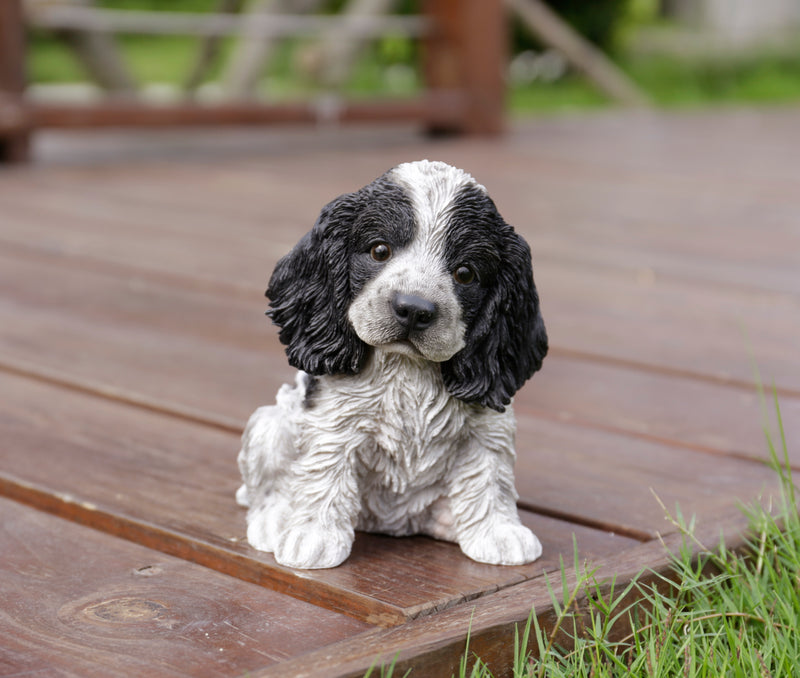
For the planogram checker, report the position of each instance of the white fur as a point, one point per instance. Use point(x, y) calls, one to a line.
point(418, 270)
point(388, 450)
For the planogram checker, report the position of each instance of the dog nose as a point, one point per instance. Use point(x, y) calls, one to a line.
point(413, 313)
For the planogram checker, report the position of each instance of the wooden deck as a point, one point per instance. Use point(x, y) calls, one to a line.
point(133, 346)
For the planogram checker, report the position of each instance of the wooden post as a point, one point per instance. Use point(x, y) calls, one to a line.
point(467, 53)
point(14, 135)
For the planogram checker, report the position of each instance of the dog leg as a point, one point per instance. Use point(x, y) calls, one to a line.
point(324, 507)
point(268, 450)
point(483, 502)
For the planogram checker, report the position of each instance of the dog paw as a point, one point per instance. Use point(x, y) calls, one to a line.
point(310, 546)
point(502, 544)
point(265, 521)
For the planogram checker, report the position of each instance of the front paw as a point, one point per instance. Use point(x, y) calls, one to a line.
point(310, 546)
point(265, 521)
point(502, 544)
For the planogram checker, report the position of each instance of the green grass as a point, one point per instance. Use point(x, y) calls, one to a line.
point(717, 614)
point(740, 622)
point(162, 59)
point(761, 78)
point(765, 78)
point(723, 613)
point(569, 94)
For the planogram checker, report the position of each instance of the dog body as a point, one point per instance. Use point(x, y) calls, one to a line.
point(411, 313)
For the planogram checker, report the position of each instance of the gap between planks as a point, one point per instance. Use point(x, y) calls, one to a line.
point(229, 425)
point(226, 289)
point(220, 422)
point(490, 625)
point(218, 557)
point(226, 559)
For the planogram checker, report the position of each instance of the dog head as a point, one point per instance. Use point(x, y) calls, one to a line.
point(418, 262)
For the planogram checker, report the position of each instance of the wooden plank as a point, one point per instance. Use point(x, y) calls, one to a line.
point(78, 602)
point(659, 406)
point(678, 326)
point(648, 224)
point(219, 358)
point(170, 485)
point(129, 318)
point(708, 145)
point(439, 108)
point(14, 139)
point(436, 644)
point(716, 314)
point(595, 313)
point(617, 483)
point(654, 225)
point(61, 17)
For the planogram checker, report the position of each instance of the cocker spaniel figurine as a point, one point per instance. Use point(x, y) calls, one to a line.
point(411, 312)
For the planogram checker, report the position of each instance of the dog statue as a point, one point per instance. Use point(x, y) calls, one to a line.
point(411, 312)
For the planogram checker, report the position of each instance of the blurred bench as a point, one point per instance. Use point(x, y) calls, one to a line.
point(463, 61)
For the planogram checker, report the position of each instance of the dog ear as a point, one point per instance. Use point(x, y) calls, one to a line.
point(507, 341)
point(309, 294)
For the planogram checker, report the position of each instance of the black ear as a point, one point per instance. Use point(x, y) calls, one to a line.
point(507, 341)
point(309, 294)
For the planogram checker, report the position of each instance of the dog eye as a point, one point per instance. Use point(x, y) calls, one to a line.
point(464, 275)
point(380, 252)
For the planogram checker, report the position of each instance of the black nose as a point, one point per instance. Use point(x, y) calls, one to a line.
point(413, 313)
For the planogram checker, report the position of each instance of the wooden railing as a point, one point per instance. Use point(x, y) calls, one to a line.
point(463, 46)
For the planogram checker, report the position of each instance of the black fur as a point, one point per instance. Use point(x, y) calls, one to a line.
point(312, 286)
point(506, 337)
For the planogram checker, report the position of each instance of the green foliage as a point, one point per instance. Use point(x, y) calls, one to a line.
point(758, 78)
point(740, 622)
point(156, 5)
point(568, 94)
point(51, 62)
point(599, 21)
point(762, 78)
point(388, 67)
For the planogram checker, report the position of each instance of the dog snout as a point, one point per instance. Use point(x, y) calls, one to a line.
point(412, 312)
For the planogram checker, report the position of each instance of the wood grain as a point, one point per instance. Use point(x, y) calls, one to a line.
point(212, 356)
point(78, 602)
point(170, 485)
point(563, 470)
point(608, 289)
point(133, 345)
point(434, 645)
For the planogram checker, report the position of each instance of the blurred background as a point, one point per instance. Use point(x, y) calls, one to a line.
point(677, 53)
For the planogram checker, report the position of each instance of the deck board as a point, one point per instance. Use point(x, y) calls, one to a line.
point(215, 355)
point(182, 479)
point(133, 346)
point(112, 608)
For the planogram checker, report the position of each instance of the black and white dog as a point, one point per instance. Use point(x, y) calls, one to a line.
point(411, 311)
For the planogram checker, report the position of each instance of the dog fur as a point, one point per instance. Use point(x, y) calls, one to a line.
point(412, 316)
